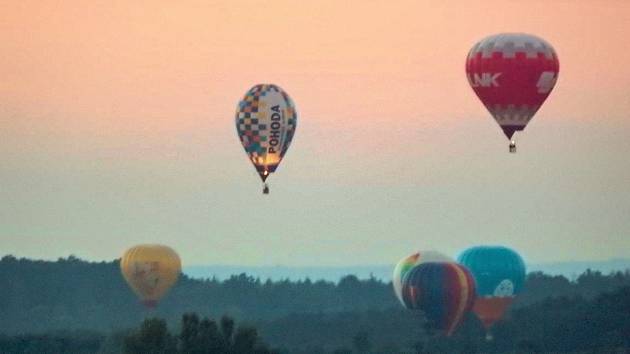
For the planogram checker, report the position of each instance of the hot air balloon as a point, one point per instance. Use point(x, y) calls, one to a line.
point(150, 271)
point(405, 264)
point(265, 122)
point(445, 292)
point(499, 273)
point(512, 74)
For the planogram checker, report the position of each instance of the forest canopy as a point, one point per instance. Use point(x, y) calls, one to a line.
point(90, 304)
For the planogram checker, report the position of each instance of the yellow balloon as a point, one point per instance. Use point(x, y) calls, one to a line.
point(150, 271)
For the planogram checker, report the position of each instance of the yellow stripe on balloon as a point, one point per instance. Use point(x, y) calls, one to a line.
point(463, 298)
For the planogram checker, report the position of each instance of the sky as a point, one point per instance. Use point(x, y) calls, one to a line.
point(117, 128)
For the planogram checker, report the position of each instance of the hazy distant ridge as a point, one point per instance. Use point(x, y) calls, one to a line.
point(383, 272)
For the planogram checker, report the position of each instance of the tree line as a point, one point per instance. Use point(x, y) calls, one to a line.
point(553, 325)
point(70, 302)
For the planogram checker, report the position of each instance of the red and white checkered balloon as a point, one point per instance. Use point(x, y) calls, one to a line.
point(512, 74)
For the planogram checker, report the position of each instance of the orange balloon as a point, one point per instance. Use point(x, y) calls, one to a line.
point(491, 309)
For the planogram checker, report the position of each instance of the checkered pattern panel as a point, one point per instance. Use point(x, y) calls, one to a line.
point(253, 124)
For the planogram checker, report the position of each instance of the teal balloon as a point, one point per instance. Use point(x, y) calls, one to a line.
point(498, 271)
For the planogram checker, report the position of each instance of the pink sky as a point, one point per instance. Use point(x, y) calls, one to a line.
point(116, 66)
point(92, 88)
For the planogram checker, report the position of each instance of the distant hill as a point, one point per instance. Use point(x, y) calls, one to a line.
point(275, 273)
point(572, 270)
point(383, 272)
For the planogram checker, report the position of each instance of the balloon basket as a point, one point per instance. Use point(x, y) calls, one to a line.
point(265, 189)
point(512, 147)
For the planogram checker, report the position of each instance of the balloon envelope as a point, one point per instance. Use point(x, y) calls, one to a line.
point(265, 122)
point(445, 292)
point(499, 273)
point(150, 271)
point(405, 264)
point(512, 74)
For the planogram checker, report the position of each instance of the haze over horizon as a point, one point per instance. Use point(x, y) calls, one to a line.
point(117, 128)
